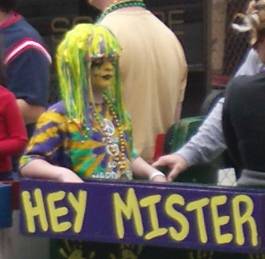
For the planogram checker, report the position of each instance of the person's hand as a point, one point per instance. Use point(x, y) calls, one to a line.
point(175, 162)
point(67, 176)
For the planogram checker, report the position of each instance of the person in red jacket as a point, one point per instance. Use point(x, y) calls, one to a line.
point(13, 136)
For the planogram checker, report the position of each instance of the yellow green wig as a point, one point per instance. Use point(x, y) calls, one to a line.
point(75, 55)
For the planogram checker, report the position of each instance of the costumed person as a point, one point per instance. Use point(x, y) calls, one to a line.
point(244, 113)
point(153, 69)
point(88, 134)
point(208, 143)
point(27, 63)
point(13, 135)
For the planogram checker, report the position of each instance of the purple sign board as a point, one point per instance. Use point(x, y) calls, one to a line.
point(169, 215)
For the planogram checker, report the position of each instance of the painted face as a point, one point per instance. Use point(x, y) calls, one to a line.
point(102, 74)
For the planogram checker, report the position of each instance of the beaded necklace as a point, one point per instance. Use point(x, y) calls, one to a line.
point(116, 150)
point(119, 5)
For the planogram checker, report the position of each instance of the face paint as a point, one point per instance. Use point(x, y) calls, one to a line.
point(102, 74)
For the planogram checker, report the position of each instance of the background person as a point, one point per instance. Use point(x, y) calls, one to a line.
point(153, 69)
point(243, 115)
point(13, 136)
point(208, 143)
point(27, 63)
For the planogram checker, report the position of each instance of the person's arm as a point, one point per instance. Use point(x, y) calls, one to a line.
point(16, 138)
point(41, 169)
point(28, 79)
point(30, 112)
point(204, 146)
point(142, 169)
point(41, 156)
point(208, 142)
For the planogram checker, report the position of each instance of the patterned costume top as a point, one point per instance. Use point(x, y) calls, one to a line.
point(61, 141)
